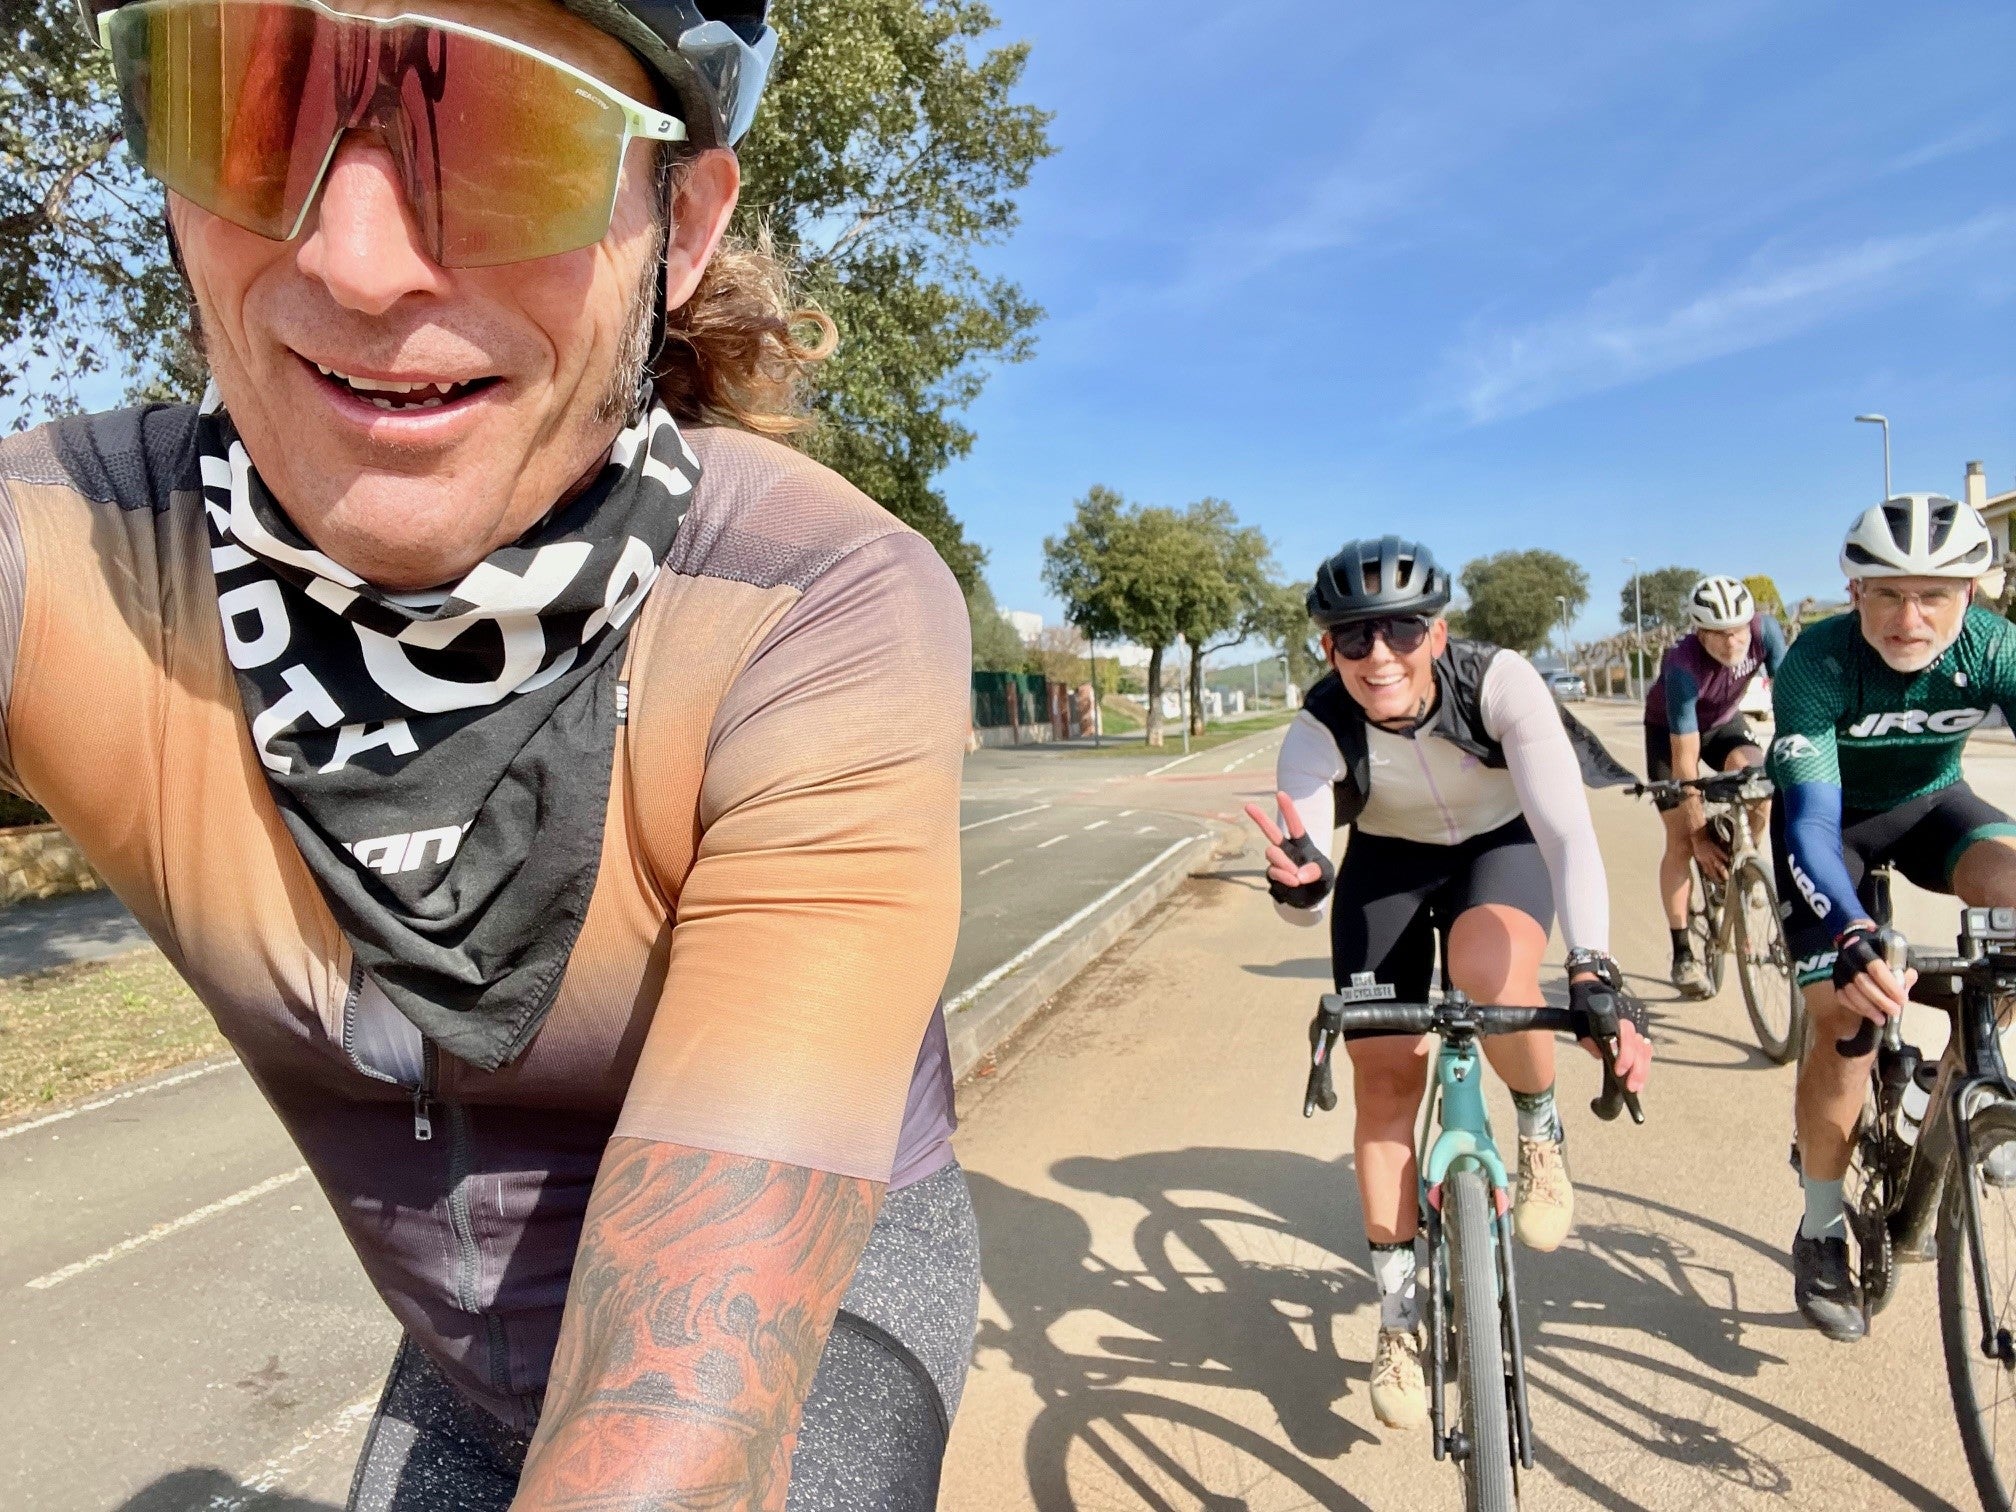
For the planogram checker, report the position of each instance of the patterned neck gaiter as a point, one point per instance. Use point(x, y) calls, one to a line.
point(443, 760)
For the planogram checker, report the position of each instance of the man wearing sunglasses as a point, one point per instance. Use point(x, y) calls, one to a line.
point(1693, 716)
point(1455, 768)
point(469, 699)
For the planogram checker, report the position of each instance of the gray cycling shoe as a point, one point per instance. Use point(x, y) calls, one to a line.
point(1824, 1286)
point(1690, 977)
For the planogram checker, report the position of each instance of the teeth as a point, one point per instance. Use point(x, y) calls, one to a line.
point(372, 386)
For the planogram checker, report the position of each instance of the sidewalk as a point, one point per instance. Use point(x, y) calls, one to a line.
point(46, 932)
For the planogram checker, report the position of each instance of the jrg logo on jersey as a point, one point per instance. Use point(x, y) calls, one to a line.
point(1915, 722)
point(1816, 900)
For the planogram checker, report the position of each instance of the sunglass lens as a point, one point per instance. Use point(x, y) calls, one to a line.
point(230, 103)
point(514, 159)
point(1405, 636)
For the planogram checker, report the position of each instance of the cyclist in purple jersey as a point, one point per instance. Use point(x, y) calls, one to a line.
point(1692, 722)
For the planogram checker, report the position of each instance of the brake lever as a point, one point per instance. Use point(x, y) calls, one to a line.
point(1615, 1096)
point(1897, 956)
point(1321, 1091)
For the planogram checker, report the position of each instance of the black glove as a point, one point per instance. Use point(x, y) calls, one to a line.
point(1301, 850)
point(1859, 949)
point(1601, 1000)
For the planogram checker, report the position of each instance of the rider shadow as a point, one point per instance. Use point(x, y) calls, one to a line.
point(203, 1489)
point(1238, 1284)
point(1644, 1284)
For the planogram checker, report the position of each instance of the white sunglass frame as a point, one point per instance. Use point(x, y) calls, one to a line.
point(640, 121)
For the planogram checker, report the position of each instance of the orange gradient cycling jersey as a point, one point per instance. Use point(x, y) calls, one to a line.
point(771, 925)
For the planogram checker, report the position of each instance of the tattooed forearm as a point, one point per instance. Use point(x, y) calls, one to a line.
point(702, 1295)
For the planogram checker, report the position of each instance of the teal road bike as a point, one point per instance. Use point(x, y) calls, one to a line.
point(1466, 1197)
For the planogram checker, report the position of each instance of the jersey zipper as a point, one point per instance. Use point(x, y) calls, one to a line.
point(468, 1254)
point(1428, 776)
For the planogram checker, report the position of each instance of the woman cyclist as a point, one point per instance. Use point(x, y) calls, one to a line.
point(1455, 769)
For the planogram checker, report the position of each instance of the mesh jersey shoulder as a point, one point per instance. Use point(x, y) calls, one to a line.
point(1987, 655)
point(134, 458)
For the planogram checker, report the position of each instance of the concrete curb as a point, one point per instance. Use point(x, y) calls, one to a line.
point(981, 1018)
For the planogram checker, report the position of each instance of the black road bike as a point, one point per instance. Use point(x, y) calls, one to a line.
point(1738, 917)
point(1932, 1175)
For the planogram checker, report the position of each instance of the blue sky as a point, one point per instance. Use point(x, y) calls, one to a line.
point(1609, 278)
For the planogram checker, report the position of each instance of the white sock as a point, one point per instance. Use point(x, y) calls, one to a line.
point(1393, 1270)
point(1826, 1210)
point(1537, 1118)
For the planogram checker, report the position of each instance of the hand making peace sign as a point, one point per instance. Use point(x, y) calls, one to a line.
point(1280, 867)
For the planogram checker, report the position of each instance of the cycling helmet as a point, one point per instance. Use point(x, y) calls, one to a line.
point(1371, 578)
point(1720, 603)
point(1918, 535)
point(713, 55)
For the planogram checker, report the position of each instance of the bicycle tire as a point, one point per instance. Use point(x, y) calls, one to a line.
point(1704, 927)
point(1480, 1335)
point(1758, 992)
point(1965, 1364)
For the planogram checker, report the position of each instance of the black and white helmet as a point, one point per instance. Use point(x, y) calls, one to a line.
point(1918, 535)
point(1368, 579)
point(1720, 603)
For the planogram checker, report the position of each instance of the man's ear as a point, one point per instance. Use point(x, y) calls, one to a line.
point(704, 191)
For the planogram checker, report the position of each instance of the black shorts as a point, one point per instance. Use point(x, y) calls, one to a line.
point(1924, 839)
point(1395, 898)
point(1717, 745)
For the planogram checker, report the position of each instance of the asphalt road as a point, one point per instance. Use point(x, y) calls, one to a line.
point(186, 1330)
point(1178, 1314)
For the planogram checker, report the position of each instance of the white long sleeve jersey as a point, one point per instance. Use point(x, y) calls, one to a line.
point(1433, 792)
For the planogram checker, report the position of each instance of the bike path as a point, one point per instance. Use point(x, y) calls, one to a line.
point(185, 1326)
point(1178, 1312)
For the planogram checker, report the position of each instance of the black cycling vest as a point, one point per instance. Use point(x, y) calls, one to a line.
point(1458, 717)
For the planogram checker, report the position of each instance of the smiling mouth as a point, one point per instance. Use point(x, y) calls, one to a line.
point(394, 395)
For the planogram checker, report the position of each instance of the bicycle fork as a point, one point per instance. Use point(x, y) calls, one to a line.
point(1453, 1445)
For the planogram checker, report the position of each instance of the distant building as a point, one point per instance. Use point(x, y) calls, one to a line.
point(1995, 509)
point(1028, 624)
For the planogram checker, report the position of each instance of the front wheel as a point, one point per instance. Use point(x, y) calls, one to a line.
point(1480, 1351)
point(1983, 1383)
point(1764, 964)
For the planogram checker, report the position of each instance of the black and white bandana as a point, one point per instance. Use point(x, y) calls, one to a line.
point(443, 759)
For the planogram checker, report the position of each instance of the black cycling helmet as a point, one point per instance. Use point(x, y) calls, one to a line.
point(1407, 579)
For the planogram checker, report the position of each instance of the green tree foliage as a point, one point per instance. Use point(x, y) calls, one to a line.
point(996, 646)
point(1665, 597)
point(1120, 570)
point(888, 150)
point(1282, 620)
point(1223, 590)
point(1512, 596)
point(81, 253)
point(1769, 600)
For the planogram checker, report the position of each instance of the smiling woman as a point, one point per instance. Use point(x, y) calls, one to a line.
point(472, 692)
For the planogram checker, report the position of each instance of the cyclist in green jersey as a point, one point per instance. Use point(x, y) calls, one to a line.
point(1873, 710)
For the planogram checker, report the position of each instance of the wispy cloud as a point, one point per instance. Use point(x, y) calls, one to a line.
point(1634, 328)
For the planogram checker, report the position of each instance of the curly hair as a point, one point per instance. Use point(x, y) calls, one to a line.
point(741, 350)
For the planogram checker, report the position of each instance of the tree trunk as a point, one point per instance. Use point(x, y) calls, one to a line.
point(1196, 690)
point(1154, 732)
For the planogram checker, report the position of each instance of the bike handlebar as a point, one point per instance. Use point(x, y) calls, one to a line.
point(1747, 785)
point(1897, 955)
point(1339, 1016)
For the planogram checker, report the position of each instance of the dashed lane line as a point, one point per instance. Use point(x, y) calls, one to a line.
point(1098, 824)
point(1017, 814)
point(164, 1230)
point(1158, 771)
point(1053, 840)
point(995, 867)
point(105, 1102)
point(1023, 956)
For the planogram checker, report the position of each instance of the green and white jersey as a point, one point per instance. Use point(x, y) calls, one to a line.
point(1845, 719)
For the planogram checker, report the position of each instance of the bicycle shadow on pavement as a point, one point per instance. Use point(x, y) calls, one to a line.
point(1235, 1282)
point(202, 1489)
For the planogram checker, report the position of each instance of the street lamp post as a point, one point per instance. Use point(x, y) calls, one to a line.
point(1284, 680)
point(1885, 423)
point(1567, 650)
point(1092, 655)
point(1638, 630)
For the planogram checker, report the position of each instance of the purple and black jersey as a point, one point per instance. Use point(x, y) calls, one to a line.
point(1695, 692)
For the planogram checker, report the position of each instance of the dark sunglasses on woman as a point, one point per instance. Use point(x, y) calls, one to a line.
point(1403, 634)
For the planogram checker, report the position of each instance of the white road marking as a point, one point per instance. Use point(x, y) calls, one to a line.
point(1146, 829)
point(995, 867)
point(164, 1230)
point(1176, 763)
point(1053, 840)
point(1098, 824)
point(105, 1102)
point(1242, 760)
point(1126, 813)
point(271, 1475)
point(983, 823)
point(1022, 956)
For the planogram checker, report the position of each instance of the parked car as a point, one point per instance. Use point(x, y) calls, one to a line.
point(1567, 686)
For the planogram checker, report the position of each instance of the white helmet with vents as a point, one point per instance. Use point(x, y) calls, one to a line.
point(1918, 535)
point(1720, 603)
